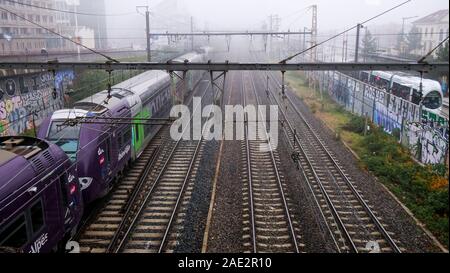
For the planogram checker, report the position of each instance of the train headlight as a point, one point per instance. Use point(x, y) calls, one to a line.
point(72, 189)
point(85, 182)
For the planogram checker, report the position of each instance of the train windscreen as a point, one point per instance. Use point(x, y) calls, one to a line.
point(432, 100)
point(66, 137)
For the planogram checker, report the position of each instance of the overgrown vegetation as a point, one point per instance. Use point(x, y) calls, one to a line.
point(30, 132)
point(423, 189)
point(356, 124)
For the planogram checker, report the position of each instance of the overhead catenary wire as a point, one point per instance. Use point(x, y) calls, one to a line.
point(62, 36)
point(6, 126)
point(68, 11)
point(345, 31)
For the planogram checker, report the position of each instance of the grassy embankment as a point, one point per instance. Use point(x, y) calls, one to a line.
point(424, 190)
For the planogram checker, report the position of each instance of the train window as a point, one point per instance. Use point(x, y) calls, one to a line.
point(364, 76)
point(37, 217)
point(432, 100)
point(58, 130)
point(401, 91)
point(14, 235)
point(66, 137)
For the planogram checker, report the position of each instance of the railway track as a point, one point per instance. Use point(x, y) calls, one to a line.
point(103, 223)
point(154, 222)
point(352, 223)
point(113, 225)
point(268, 221)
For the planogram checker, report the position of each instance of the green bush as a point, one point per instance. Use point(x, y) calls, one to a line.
point(440, 169)
point(396, 133)
point(355, 124)
point(413, 183)
point(313, 108)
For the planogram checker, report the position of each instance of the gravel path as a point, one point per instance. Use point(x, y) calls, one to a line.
point(192, 236)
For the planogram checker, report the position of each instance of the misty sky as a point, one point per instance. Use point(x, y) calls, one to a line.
point(248, 14)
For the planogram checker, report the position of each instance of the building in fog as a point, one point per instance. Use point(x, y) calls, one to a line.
point(17, 36)
point(97, 23)
point(65, 24)
point(434, 29)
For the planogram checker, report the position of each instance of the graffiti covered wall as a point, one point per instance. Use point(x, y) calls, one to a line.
point(428, 139)
point(25, 100)
point(426, 134)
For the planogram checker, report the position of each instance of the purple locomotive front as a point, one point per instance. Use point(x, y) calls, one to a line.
point(40, 198)
point(98, 146)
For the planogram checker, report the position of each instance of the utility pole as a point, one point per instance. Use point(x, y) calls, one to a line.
point(365, 50)
point(76, 31)
point(304, 38)
point(402, 45)
point(274, 25)
point(358, 29)
point(271, 30)
point(314, 32)
point(346, 47)
point(147, 31)
point(403, 24)
point(192, 31)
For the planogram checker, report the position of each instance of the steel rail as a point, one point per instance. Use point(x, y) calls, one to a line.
point(150, 192)
point(249, 169)
point(366, 207)
point(186, 178)
point(286, 208)
point(132, 199)
point(330, 205)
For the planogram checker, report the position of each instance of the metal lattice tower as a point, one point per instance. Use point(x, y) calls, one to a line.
point(314, 32)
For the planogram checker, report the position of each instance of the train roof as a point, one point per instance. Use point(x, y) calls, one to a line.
point(21, 154)
point(142, 82)
point(99, 103)
point(191, 57)
point(69, 114)
point(409, 80)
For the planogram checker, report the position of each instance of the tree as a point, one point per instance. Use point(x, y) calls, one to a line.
point(369, 44)
point(413, 40)
point(442, 53)
point(442, 56)
point(400, 40)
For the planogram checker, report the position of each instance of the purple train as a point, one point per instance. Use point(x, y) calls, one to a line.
point(40, 198)
point(45, 182)
point(103, 150)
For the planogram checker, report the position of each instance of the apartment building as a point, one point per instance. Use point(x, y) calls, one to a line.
point(434, 29)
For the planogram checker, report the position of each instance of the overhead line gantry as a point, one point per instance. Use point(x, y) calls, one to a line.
point(228, 66)
point(224, 67)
